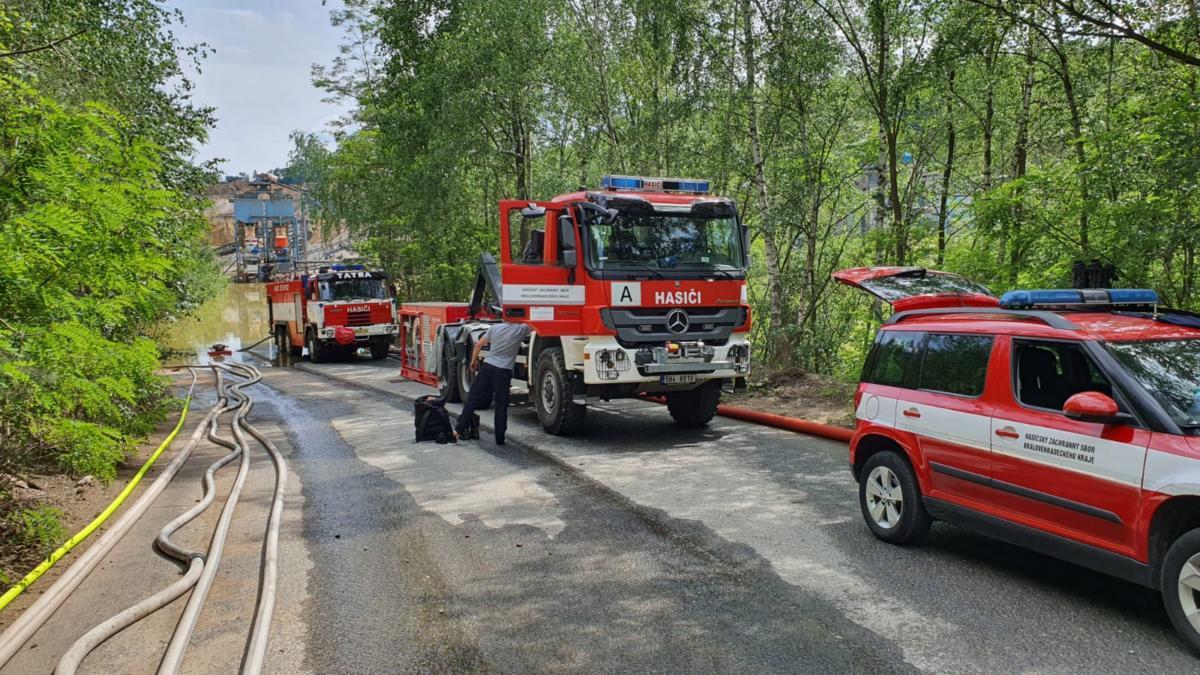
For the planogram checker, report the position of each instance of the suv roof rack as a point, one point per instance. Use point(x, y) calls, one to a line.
point(1049, 318)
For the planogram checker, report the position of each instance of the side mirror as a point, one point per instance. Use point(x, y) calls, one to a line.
point(533, 211)
point(1094, 406)
point(570, 259)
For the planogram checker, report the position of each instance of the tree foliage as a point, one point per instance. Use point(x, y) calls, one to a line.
point(101, 234)
point(1002, 140)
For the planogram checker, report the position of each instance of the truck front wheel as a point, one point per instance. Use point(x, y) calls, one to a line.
point(556, 407)
point(696, 407)
point(379, 348)
point(316, 349)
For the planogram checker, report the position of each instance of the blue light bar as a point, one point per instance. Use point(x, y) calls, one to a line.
point(687, 185)
point(621, 183)
point(1133, 296)
point(1059, 297)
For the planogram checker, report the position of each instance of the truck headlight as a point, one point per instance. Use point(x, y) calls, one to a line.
point(740, 355)
point(610, 363)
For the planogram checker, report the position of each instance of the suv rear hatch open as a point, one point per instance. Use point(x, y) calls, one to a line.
point(906, 288)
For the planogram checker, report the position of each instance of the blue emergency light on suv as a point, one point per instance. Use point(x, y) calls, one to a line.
point(1027, 299)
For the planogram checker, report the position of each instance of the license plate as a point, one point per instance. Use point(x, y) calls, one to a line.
point(677, 379)
point(360, 331)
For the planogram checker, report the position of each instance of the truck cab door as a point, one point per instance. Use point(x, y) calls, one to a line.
point(538, 270)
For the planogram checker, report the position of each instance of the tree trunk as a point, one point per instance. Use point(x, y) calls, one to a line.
point(521, 146)
point(989, 116)
point(888, 128)
point(776, 343)
point(1020, 163)
point(943, 219)
point(1077, 130)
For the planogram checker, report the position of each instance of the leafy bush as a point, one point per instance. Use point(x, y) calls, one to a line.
point(95, 248)
point(38, 527)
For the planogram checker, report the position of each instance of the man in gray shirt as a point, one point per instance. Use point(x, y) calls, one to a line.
point(494, 376)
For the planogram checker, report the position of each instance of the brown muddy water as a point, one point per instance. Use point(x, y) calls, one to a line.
point(237, 319)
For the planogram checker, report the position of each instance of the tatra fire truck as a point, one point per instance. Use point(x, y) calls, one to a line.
point(333, 313)
point(636, 288)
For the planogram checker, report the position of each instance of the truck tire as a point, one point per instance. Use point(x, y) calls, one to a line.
point(281, 344)
point(466, 377)
point(380, 349)
point(559, 413)
point(695, 408)
point(448, 380)
point(316, 350)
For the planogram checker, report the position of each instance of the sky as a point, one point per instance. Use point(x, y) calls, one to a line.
point(258, 78)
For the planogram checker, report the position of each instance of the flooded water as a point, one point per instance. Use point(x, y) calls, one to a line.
point(236, 319)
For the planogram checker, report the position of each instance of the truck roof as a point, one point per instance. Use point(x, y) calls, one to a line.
point(652, 197)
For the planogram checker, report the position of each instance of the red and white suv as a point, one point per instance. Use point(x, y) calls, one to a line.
point(1065, 421)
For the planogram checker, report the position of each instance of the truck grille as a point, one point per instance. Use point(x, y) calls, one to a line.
point(649, 325)
point(358, 319)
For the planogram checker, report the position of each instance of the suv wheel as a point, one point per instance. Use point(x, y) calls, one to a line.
point(1181, 587)
point(556, 408)
point(890, 498)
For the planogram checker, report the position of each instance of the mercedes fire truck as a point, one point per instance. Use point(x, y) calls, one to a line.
point(636, 288)
point(333, 313)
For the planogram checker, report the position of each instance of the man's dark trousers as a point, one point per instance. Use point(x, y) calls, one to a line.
point(490, 382)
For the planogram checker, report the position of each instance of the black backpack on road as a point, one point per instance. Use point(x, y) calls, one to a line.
point(432, 421)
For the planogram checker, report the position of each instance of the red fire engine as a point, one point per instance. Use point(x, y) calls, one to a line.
point(639, 287)
point(333, 312)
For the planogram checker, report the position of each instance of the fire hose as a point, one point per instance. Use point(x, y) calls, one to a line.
point(201, 568)
point(37, 613)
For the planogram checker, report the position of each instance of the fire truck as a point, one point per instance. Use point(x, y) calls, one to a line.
point(333, 312)
point(636, 288)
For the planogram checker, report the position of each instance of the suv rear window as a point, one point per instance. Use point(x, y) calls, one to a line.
point(895, 359)
point(956, 364)
point(921, 282)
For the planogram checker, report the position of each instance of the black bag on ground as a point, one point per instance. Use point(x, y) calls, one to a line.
point(432, 421)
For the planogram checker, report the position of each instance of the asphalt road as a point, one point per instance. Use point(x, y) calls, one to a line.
point(633, 546)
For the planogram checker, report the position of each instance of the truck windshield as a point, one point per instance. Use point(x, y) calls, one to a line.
point(666, 241)
point(353, 289)
point(1170, 371)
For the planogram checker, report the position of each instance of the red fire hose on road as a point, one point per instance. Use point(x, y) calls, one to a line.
point(778, 421)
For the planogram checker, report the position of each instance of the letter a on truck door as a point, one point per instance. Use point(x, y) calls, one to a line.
point(538, 242)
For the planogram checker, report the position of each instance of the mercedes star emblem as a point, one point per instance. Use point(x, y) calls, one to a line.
point(677, 321)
